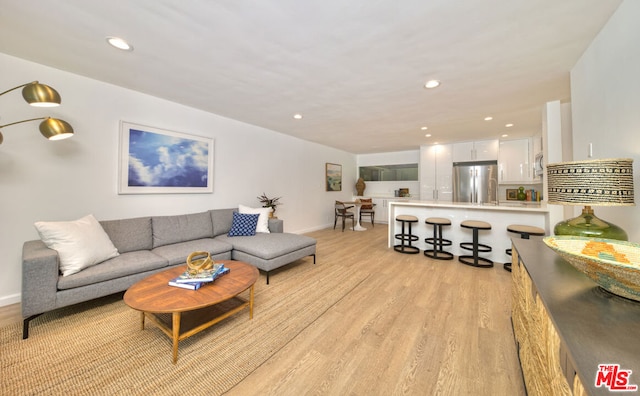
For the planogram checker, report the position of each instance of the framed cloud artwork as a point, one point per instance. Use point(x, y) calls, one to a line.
point(160, 161)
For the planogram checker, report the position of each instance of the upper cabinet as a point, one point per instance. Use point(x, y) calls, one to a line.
point(537, 145)
point(436, 171)
point(481, 150)
point(514, 161)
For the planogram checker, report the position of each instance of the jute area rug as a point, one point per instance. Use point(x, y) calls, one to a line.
point(98, 347)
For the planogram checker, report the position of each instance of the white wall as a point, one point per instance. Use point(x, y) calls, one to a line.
point(605, 96)
point(556, 128)
point(387, 188)
point(65, 180)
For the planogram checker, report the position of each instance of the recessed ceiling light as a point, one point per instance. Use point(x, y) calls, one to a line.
point(424, 128)
point(427, 135)
point(119, 43)
point(488, 118)
point(508, 125)
point(505, 135)
point(432, 84)
point(297, 116)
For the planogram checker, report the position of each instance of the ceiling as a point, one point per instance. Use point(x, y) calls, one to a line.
point(354, 69)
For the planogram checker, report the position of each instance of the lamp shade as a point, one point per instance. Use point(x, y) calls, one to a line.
point(55, 129)
point(41, 95)
point(607, 182)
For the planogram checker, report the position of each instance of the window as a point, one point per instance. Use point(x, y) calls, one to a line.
point(401, 172)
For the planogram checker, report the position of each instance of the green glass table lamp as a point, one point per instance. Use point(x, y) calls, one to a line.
point(607, 182)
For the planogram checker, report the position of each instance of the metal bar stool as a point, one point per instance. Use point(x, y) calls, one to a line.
point(438, 241)
point(475, 246)
point(525, 231)
point(406, 238)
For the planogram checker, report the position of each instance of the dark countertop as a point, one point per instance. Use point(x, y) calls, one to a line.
point(595, 326)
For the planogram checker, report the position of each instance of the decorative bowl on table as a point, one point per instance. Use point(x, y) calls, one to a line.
point(614, 265)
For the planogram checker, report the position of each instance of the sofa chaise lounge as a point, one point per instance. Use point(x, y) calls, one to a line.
point(146, 245)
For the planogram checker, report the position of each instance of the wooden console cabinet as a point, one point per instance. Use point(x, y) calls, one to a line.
point(565, 326)
point(545, 372)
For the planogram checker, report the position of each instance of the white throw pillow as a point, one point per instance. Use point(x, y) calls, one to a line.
point(263, 219)
point(80, 243)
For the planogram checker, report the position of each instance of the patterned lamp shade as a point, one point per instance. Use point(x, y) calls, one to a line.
point(607, 182)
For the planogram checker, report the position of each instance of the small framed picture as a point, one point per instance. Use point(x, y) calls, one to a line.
point(512, 194)
point(333, 177)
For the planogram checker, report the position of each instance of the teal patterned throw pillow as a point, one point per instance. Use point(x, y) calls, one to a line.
point(243, 224)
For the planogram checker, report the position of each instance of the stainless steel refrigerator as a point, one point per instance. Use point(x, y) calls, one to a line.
point(475, 182)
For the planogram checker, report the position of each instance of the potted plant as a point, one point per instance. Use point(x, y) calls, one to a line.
point(269, 203)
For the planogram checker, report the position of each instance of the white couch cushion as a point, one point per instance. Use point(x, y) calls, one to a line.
point(80, 243)
point(263, 219)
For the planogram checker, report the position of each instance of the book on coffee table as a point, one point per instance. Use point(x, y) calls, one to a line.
point(204, 276)
point(189, 286)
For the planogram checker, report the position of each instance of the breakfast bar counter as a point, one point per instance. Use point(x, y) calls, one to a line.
point(498, 215)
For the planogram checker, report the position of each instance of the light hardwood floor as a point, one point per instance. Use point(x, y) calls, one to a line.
point(415, 326)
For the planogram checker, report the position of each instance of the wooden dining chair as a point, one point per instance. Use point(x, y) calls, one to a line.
point(367, 208)
point(342, 211)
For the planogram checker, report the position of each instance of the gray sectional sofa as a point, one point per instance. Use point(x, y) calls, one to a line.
point(147, 245)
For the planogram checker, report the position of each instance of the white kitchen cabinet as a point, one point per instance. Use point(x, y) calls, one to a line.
point(462, 152)
point(536, 144)
point(436, 170)
point(382, 210)
point(486, 150)
point(480, 150)
point(514, 161)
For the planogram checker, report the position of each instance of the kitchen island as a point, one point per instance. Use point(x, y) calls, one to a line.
point(498, 215)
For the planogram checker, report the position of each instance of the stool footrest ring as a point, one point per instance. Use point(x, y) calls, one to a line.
point(479, 262)
point(438, 254)
point(481, 247)
point(407, 237)
point(432, 241)
point(406, 249)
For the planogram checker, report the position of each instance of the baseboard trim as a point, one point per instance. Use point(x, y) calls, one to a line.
point(316, 228)
point(10, 299)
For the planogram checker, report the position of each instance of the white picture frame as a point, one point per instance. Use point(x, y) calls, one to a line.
point(159, 161)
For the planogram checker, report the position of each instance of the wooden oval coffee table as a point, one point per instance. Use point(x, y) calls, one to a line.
point(181, 313)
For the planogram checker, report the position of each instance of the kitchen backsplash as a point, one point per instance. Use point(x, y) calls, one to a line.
point(386, 189)
point(508, 192)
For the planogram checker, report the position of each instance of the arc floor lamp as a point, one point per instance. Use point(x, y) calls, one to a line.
point(41, 95)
